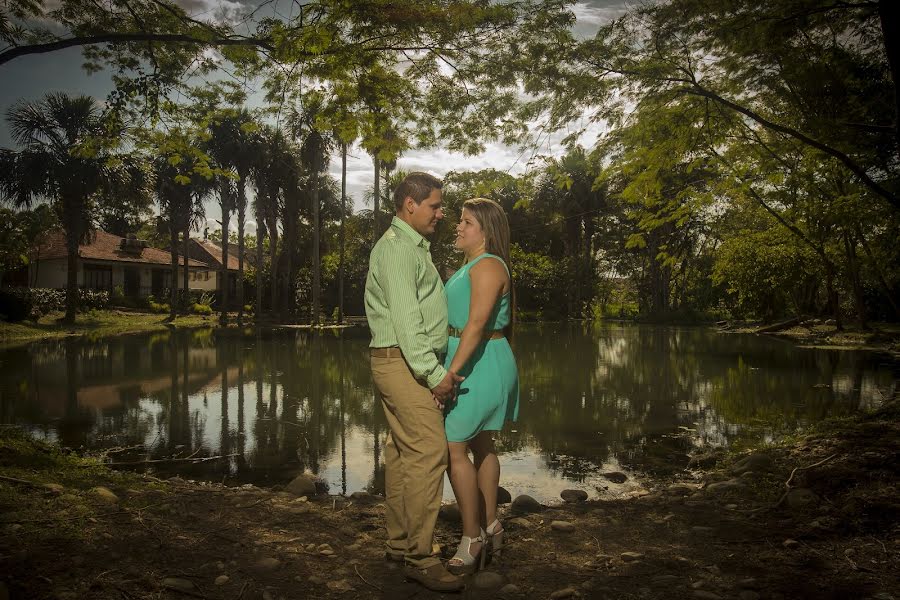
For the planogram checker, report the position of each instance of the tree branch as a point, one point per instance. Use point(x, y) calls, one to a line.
point(856, 169)
point(123, 38)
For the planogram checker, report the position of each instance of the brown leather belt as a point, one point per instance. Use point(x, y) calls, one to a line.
point(394, 352)
point(389, 352)
point(485, 335)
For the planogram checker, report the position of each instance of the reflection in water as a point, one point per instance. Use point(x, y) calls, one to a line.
point(276, 404)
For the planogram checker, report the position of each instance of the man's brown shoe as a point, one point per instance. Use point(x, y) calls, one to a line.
point(435, 577)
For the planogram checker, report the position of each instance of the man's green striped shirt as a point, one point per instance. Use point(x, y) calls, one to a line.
point(405, 301)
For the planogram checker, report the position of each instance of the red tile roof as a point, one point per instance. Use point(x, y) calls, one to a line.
point(104, 246)
point(215, 251)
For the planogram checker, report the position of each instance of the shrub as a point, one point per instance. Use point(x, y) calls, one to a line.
point(40, 301)
point(13, 307)
point(202, 309)
point(159, 307)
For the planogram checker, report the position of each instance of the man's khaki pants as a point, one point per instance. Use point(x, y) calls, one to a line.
point(415, 458)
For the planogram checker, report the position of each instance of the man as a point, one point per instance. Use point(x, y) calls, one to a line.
point(407, 312)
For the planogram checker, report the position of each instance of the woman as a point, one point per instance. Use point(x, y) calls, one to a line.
point(479, 298)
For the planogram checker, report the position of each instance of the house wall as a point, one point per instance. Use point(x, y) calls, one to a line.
point(53, 274)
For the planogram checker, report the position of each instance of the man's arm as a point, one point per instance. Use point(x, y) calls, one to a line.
point(398, 281)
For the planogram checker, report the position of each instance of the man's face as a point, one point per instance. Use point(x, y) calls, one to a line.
point(425, 215)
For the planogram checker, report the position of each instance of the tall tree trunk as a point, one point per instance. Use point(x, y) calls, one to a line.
point(242, 216)
point(342, 241)
point(376, 226)
point(173, 280)
point(186, 240)
point(889, 11)
point(290, 233)
point(316, 266)
point(226, 223)
point(73, 234)
point(273, 263)
point(834, 303)
point(260, 231)
point(855, 280)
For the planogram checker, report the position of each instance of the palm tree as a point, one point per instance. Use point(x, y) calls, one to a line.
point(271, 174)
point(66, 159)
point(231, 146)
point(175, 202)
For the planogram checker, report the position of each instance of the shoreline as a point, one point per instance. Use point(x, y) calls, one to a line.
point(814, 517)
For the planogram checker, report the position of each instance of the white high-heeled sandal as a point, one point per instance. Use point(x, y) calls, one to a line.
point(494, 534)
point(466, 564)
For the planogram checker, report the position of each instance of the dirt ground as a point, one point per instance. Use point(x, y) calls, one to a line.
point(816, 518)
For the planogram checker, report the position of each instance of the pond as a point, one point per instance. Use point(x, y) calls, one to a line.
point(635, 399)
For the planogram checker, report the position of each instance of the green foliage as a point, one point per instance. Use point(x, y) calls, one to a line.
point(202, 309)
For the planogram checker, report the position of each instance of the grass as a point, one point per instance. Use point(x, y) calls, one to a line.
point(97, 323)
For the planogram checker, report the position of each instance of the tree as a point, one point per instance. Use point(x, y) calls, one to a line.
point(67, 158)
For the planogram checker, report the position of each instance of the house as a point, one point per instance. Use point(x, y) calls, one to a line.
point(107, 261)
point(209, 252)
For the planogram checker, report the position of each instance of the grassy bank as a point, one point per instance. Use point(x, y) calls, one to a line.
point(97, 323)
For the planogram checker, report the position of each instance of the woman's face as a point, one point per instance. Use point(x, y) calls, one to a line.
point(469, 235)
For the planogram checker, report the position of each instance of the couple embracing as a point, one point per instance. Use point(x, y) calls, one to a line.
point(446, 375)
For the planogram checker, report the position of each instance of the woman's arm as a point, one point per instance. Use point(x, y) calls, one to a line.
point(488, 279)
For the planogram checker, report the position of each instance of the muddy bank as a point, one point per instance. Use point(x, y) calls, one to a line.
point(823, 333)
point(814, 518)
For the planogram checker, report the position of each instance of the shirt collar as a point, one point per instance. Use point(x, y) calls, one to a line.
point(414, 236)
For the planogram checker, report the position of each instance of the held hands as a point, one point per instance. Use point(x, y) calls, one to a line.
point(445, 391)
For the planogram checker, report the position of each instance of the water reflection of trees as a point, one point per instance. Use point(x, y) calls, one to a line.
point(283, 402)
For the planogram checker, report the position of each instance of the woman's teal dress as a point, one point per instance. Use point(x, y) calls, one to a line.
point(489, 395)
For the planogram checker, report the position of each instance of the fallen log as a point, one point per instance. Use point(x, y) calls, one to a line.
point(779, 326)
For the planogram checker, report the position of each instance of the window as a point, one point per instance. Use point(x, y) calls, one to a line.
point(207, 275)
point(98, 277)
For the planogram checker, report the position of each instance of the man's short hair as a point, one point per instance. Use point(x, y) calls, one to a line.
point(417, 186)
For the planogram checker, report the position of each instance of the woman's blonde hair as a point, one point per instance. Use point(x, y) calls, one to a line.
point(495, 227)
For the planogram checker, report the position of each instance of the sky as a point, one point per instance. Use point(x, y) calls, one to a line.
point(30, 77)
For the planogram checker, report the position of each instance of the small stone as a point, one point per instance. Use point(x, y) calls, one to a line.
point(450, 513)
point(573, 496)
point(503, 495)
point(220, 565)
point(680, 489)
point(267, 595)
point(268, 564)
point(509, 590)
point(704, 595)
point(759, 462)
point(178, 584)
point(104, 494)
point(526, 504)
point(615, 476)
point(54, 488)
point(790, 544)
point(562, 526)
point(520, 522)
point(316, 580)
point(353, 547)
point(568, 592)
point(301, 485)
point(631, 556)
point(724, 486)
point(221, 580)
point(488, 580)
point(341, 585)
